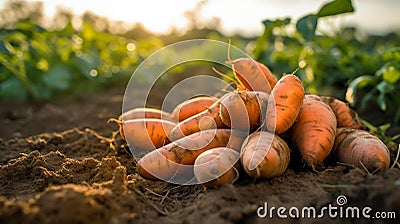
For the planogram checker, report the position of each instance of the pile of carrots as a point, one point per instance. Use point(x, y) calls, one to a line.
point(254, 129)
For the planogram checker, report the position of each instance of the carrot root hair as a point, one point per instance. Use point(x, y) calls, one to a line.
point(119, 122)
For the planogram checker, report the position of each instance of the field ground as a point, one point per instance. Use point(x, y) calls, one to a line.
point(60, 164)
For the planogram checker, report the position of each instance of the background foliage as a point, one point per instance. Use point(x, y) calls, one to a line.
point(363, 69)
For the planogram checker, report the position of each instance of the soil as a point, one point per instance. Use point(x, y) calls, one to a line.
point(61, 162)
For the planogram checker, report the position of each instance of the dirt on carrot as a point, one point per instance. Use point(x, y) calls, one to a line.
point(147, 133)
point(253, 75)
point(217, 166)
point(164, 163)
point(313, 134)
point(140, 113)
point(243, 110)
point(265, 155)
point(208, 119)
point(285, 103)
point(192, 107)
point(361, 149)
point(345, 116)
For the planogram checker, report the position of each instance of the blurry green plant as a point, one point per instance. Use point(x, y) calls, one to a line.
point(324, 61)
point(39, 64)
point(335, 62)
point(382, 88)
point(36, 63)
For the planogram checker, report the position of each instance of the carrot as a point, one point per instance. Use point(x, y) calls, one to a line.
point(285, 103)
point(361, 149)
point(264, 155)
point(192, 107)
point(147, 133)
point(345, 116)
point(207, 119)
point(243, 110)
point(253, 75)
point(139, 113)
point(313, 134)
point(162, 162)
point(216, 166)
point(272, 80)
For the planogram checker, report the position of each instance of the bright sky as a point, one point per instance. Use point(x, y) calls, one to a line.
point(236, 16)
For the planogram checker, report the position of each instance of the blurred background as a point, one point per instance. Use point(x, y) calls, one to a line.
point(343, 48)
point(229, 17)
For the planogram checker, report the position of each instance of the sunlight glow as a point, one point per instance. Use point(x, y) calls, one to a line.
point(131, 47)
point(230, 16)
point(155, 15)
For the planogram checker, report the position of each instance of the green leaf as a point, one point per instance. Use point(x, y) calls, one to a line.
point(397, 116)
point(392, 54)
point(391, 74)
point(367, 99)
point(262, 41)
point(42, 65)
point(396, 137)
point(3, 49)
point(270, 24)
point(335, 7)
point(381, 101)
point(384, 127)
point(16, 37)
point(25, 25)
point(381, 70)
point(40, 91)
point(40, 46)
point(13, 89)
point(358, 83)
point(84, 64)
point(68, 29)
point(58, 77)
point(370, 126)
point(385, 87)
point(88, 32)
point(307, 25)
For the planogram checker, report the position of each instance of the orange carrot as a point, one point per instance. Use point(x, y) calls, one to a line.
point(162, 162)
point(313, 134)
point(216, 166)
point(147, 133)
point(244, 110)
point(360, 148)
point(285, 103)
point(139, 113)
point(272, 80)
point(265, 155)
point(192, 107)
point(345, 116)
point(253, 75)
point(207, 119)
